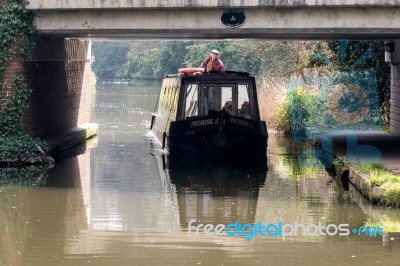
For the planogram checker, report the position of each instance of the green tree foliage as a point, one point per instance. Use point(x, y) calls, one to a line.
point(358, 55)
point(110, 58)
point(256, 57)
point(153, 60)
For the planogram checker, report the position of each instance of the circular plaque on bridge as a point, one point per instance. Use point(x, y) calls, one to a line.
point(233, 18)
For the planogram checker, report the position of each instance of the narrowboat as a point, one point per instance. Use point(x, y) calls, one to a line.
point(214, 113)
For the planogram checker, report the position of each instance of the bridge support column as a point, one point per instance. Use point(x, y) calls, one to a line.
point(393, 56)
point(59, 74)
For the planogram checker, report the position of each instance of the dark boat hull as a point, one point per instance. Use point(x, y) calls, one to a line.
point(220, 134)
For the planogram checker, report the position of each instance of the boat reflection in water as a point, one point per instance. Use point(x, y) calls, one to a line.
point(214, 192)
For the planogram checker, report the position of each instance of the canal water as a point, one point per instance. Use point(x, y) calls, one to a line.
point(119, 200)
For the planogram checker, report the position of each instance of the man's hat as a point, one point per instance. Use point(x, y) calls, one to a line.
point(214, 52)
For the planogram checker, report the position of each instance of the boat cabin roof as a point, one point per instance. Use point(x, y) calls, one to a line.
point(235, 92)
point(220, 77)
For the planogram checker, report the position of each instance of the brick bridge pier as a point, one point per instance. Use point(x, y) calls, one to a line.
point(60, 76)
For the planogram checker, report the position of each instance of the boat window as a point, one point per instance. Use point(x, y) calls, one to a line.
point(191, 108)
point(209, 98)
point(226, 99)
point(243, 101)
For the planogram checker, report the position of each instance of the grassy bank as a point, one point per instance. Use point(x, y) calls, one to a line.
point(380, 176)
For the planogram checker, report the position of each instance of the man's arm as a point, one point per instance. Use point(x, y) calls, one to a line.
point(219, 66)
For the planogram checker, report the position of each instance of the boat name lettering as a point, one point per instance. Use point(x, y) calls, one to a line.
point(241, 122)
point(202, 123)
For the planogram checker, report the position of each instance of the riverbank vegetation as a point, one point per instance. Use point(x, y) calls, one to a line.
point(276, 64)
point(380, 176)
point(17, 37)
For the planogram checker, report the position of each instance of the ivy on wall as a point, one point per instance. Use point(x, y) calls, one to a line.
point(16, 39)
point(16, 23)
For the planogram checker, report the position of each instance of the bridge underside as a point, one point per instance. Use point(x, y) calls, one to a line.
point(270, 34)
point(261, 23)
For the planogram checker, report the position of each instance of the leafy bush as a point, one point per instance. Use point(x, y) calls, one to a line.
point(299, 110)
point(21, 149)
point(282, 117)
point(17, 147)
point(341, 161)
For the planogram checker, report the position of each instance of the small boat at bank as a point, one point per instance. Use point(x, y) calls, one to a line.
point(210, 112)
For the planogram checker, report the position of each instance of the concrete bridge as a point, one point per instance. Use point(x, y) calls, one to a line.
point(184, 19)
point(59, 68)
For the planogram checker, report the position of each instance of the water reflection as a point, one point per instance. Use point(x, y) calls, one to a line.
point(28, 176)
point(123, 201)
point(37, 217)
point(215, 193)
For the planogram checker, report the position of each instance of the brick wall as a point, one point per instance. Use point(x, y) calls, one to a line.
point(395, 91)
point(395, 101)
point(88, 87)
point(60, 99)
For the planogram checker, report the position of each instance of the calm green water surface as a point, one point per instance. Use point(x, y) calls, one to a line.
point(122, 202)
